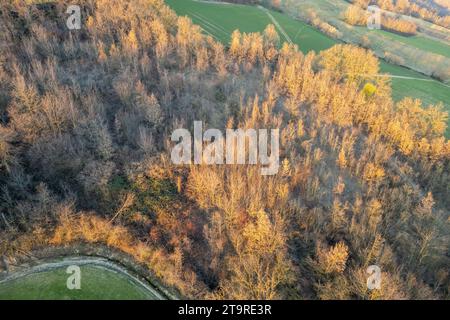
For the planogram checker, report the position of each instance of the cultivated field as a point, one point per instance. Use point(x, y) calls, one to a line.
point(419, 41)
point(221, 19)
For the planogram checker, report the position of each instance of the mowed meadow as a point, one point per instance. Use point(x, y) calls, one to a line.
point(220, 20)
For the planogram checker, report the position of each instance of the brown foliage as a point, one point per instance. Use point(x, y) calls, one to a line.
point(87, 123)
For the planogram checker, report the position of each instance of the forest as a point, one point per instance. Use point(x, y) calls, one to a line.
point(86, 118)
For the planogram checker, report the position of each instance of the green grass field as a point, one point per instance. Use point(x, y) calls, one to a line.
point(420, 42)
point(96, 284)
point(220, 20)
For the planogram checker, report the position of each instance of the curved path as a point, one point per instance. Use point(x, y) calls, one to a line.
point(275, 22)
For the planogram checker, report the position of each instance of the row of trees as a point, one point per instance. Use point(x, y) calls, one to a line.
point(354, 15)
point(419, 9)
point(313, 19)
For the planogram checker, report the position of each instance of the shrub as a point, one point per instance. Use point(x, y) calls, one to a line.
point(334, 259)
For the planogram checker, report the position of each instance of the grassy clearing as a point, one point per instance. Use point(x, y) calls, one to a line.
point(420, 42)
point(219, 20)
point(96, 283)
point(152, 194)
